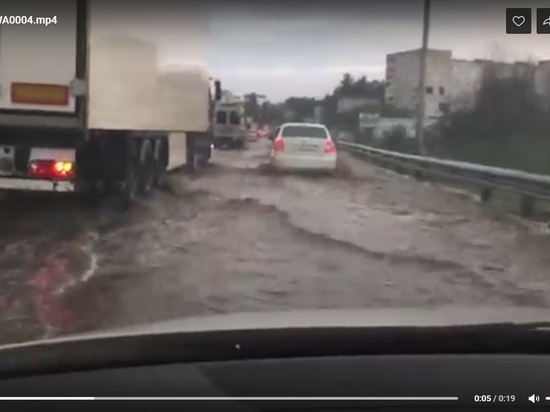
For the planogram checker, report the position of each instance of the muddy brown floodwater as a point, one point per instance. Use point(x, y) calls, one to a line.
point(240, 239)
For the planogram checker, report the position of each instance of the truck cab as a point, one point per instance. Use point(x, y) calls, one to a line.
point(200, 145)
point(230, 127)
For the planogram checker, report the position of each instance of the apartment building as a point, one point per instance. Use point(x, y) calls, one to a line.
point(451, 83)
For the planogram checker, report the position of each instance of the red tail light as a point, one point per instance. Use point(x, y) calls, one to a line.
point(51, 169)
point(279, 144)
point(330, 148)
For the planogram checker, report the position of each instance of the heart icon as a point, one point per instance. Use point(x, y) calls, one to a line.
point(518, 20)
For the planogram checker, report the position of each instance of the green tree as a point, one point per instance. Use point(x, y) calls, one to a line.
point(251, 106)
point(346, 85)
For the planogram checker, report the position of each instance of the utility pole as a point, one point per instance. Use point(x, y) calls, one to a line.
point(421, 107)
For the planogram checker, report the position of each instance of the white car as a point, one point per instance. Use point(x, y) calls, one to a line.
point(303, 146)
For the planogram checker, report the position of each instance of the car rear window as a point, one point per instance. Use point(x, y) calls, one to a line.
point(304, 131)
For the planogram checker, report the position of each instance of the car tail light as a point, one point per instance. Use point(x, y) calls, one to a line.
point(51, 169)
point(330, 147)
point(279, 144)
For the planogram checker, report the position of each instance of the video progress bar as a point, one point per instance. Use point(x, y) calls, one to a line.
point(305, 398)
point(239, 398)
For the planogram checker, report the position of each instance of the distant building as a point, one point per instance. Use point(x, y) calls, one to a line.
point(403, 72)
point(318, 114)
point(451, 84)
point(353, 104)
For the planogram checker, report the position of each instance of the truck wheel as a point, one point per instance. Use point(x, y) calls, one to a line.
point(130, 189)
point(199, 161)
point(92, 198)
point(159, 166)
point(190, 161)
point(147, 175)
point(208, 155)
point(158, 175)
point(202, 158)
point(196, 159)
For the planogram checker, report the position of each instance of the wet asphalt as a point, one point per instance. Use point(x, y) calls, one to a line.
point(241, 238)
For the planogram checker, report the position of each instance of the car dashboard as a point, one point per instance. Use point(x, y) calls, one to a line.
point(264, 370)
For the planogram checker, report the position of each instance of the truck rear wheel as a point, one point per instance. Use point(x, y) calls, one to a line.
point(190, 160)
point(158, 173)
point(160, 163)
point(130, 187)
point(147, 174)
point(199, 161)
point(202, 158)
point(92, 198)
point(195, 160)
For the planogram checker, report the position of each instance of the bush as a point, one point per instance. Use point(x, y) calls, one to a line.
point(507, 127)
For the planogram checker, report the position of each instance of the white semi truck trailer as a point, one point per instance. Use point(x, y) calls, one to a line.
point(85, 109)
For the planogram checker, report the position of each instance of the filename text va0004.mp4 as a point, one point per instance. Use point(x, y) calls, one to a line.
point(21, 20)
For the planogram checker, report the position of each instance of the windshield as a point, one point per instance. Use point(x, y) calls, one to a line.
point(234, 118)
point(221, 117)
point(304, 131)
point(132, 204)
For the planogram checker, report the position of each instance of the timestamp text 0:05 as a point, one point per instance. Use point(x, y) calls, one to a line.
point(494, 398)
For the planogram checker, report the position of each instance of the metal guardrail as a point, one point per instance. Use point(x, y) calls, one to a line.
point(530, 187)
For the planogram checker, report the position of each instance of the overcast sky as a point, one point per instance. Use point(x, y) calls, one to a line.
point(283, 49)
point(280, 49)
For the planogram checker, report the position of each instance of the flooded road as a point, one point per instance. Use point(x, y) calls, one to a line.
point(240, 239)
